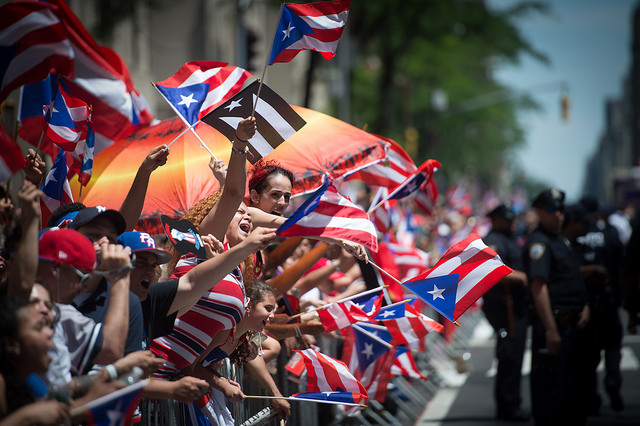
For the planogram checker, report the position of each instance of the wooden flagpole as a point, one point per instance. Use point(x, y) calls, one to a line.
point(373, 336)
point(288, 398)
point(355, 296)
point(266, 62)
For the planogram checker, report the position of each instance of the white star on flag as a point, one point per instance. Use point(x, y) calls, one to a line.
point(287, 32)
point(233, 104)
point(389, 313)
point(437, 292)
point(187, 100)
point(368, 350)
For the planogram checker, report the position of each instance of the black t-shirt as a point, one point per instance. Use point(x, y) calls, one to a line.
point(95, 307)
point(155, 307)
point(551, 258)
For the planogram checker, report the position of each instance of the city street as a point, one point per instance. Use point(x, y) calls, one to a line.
point(468, 398)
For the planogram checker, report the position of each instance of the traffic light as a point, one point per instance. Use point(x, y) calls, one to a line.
point(565, 103)
point(251, 39)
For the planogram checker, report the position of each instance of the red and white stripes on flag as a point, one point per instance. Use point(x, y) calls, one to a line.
point(101, 79)
point(223, 82)
point(342, 314)
point(410, 260)
point(405, 364)
point(465, 272)
point(328, 214)
point(275, 119)
point(390, 172)
point(66, 122)
point(11, 156)
point(34, 42)
point(312, 26)
point(326, 374)
point(407, 329)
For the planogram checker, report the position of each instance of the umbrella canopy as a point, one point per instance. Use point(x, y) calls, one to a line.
point(323, 145)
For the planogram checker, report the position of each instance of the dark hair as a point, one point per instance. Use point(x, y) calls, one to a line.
point(16, 393)
point(63, 210)
point(257, 290)
point(262, 170)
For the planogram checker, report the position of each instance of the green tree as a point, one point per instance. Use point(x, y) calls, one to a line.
point(409, 51)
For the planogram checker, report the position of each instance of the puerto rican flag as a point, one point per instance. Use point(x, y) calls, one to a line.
point(465, 272)
point(11, 156)
point(338, 398)
point(100, 78)
point(326, 374)
point(328, 214)
point(405, 364)
point(404, 323)
point(313, 26)
point(117, 407)
point(390, 172)
point(55, 189)
point(88, 146)
point(34, 42)
point(414, 182)
point(199, 87)
point(427, 198)
point(376, 375)
point(342, 314)
point(66, 120)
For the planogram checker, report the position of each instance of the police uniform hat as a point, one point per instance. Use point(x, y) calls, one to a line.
point(503, 210)
point(550, 199)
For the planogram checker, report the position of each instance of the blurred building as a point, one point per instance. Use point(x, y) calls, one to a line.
point(613, 172)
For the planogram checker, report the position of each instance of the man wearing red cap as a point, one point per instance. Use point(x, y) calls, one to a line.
point(66, 260)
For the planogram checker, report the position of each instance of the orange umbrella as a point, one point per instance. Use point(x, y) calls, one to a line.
point(323, 145)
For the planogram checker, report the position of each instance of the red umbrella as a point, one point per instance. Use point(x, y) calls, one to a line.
point(323, 145)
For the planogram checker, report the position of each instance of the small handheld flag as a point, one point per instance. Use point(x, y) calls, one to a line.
point(313, 26)
point(465, 272)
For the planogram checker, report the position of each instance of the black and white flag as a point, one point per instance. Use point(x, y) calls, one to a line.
point(275, 118)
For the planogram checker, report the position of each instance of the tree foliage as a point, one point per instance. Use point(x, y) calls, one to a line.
point(409, 51)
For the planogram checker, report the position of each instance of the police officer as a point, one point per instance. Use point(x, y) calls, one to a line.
point(505, 306)
point(601, 254)
point(558, 392)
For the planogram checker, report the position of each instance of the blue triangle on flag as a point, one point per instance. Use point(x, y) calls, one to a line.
point(438, 292)
point(53, 186)
point(187, 100)
point(291, 28)
point(307, 207)
point(391, 312)
point(368, 349)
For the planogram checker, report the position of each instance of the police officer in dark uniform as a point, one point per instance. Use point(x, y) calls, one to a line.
point(505, 306)
point(602, 253)
point(558, 393)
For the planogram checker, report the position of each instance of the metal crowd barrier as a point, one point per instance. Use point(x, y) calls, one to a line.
point(407, 398)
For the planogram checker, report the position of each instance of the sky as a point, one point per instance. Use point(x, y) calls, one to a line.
point(588, 43)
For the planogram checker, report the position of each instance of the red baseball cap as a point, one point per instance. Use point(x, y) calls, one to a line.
point(69, 247)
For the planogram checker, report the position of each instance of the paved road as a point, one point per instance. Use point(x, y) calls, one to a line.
point(468, 399)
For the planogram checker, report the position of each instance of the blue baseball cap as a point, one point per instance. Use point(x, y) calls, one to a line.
point(141, 241)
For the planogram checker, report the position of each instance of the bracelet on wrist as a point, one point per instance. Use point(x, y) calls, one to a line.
point(240, 140)
point(240, 151)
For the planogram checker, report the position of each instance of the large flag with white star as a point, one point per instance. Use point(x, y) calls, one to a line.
point(198, 87)
point(313, 26)
point(275, 119)
point(465, 272)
